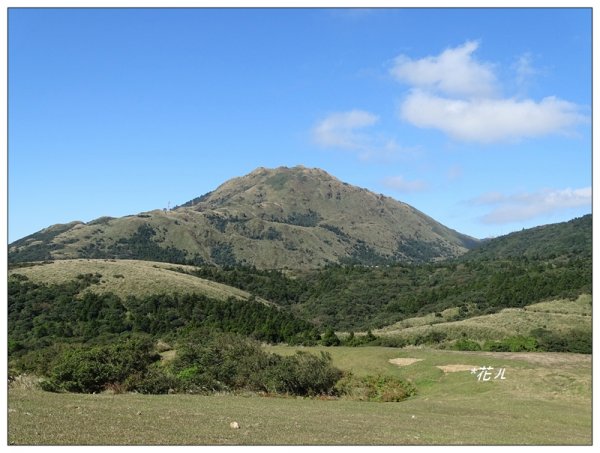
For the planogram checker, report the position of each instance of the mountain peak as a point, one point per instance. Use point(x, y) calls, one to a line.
point(294, 217)
point(290, 171)
point(281, 184)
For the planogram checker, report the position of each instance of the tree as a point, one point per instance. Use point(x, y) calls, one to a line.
point(330, 338)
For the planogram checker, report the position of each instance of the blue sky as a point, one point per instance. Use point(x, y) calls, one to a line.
point(480, 118)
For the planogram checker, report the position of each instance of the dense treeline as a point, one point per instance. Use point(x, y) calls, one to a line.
point(339, 297)
point(272, 285)
point(40, 316)
point(568, 239)
point(359, 297)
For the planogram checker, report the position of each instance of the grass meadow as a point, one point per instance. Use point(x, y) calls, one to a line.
point(130, 278)
point(556, 315)
point(545, 399)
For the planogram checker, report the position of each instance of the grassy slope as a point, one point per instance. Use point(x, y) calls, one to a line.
point(545, 399)
point(557, 315)
point(129, 277)
point(298, 218)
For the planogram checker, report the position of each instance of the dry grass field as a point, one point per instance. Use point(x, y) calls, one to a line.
point(556, 315)
point(130, 277)
point(545, 399)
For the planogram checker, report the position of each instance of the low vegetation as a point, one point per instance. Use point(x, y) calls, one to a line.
point(544, 400)
point(554, 326)
point(205, 363)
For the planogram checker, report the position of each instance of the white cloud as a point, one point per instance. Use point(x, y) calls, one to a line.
point(458, 95)
point(490, 120)
point(339, 130)
point(453, 72)
point(524, 70)
point(401, 184)
point(350, 131)
point(524, 206)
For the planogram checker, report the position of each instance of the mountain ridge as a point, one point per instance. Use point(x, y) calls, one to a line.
point(294, 217)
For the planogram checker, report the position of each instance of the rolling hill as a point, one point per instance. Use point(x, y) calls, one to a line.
point(297, 218)
point(128, 278)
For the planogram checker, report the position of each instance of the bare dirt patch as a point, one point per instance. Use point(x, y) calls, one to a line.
point(455, 367)
point(405, 361)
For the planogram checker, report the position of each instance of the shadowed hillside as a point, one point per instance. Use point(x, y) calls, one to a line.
point(567, 239)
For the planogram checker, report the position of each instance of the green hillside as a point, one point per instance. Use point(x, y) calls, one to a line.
point(567, 239)
point(358, 297)
point(362, 297)
point(295, 218)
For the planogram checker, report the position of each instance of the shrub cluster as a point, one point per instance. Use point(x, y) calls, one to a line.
point(227, 363)
point(220, 362)
point(302, 374)
point(512, 344)
point(576, 340)
point(542, 340)
point(464, 344)
point(93, 369)
point(375, 388)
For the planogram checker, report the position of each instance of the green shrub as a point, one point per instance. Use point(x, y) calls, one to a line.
point(495, 346)
point(220, 362)
point(512, 344)
point(465, 344)
point(521, 343)
point(374, 388)
point(228, 362)
point(154, 381)
point(580, 341)
point(330, 338)
point(92, 369)
point(576, 340)
point(301, 374)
